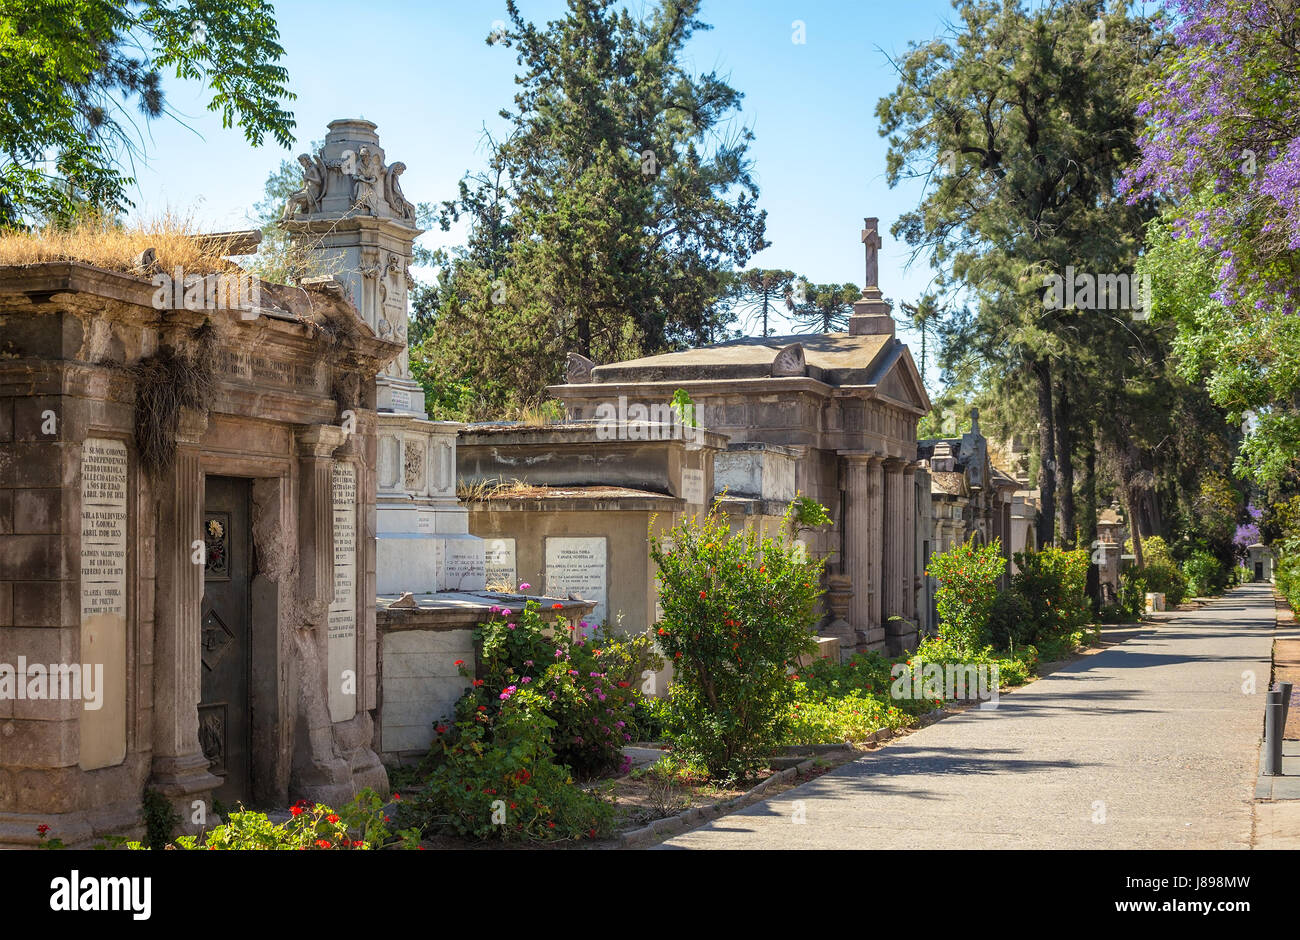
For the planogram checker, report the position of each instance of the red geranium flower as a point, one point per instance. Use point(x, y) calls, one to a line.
point(296, 810)
point(557, 607)
point(333, 817)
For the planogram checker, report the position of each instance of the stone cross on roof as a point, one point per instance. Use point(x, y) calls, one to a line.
point(871, 238)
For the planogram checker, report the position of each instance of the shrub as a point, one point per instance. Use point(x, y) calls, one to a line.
point(1204, 575)
point(852, 717)
point(1054, 583)
point(967, 578)
point(1160, 570)
point(736, 613)
point(590, 707)
point(1011, 620)
point(1132, 594)
point(496, 776)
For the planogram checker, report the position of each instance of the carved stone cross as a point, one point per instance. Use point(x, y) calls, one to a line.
point(871, 238)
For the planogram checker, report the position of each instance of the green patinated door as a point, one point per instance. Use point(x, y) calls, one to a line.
point(224, 720)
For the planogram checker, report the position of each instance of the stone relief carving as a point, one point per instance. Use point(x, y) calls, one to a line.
point(789, 361)
point(578, 369)
point(414, 466)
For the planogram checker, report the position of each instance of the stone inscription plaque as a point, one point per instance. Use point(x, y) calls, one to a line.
point(693, 487)
point(103, 599)
point(502, 573)
point(578, 566)
point(343, 612)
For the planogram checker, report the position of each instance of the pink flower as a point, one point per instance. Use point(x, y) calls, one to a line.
point(525, 586)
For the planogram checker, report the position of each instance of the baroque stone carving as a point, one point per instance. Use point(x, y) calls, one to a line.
point(578, 369)
point(315, 176)
point(414, 466)
point(393, 194)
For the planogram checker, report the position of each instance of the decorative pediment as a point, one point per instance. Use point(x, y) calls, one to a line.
point(901, 383)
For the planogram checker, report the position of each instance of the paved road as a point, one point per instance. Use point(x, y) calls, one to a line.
point(1154, 732)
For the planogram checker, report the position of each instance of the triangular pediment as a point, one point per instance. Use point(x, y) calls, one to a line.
point(900, 382)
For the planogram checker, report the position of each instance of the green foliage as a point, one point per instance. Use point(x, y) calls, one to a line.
point(1160, 572)
point(1054, 583)
point(968, 584)
point(590, 705)
point(160, 819)
point(825, 307)
point(1132, 594)
point(847, 718)
point(93, 56)
point(361, 824)
point(1011, 620)
point(1205, 575)
point(608, 220)
point(495, 776)
point(839, 702)
point(736, 613)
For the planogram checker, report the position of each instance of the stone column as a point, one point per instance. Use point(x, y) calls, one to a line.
point(894, 537)
point(876, 551)
point(910, 581)
point(859, 544)
point(180, 770)
point(316, 446)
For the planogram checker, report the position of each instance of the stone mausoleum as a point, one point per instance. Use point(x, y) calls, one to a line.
point(214, 554)
point(832, 416)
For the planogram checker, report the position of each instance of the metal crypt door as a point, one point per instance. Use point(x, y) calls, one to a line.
point(224, 720)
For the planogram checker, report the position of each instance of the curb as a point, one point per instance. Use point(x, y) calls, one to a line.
point(671, 826)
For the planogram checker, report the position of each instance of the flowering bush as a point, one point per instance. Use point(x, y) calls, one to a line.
point(591, 705)
point(361, 824)
point(736, 613)
point(968, 583)
point(495, 775)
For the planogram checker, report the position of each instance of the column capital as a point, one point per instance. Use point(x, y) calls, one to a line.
point(859, 457)
point(191, 427)
point(319, 440)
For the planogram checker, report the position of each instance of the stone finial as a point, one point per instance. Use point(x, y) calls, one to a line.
point(974, 421)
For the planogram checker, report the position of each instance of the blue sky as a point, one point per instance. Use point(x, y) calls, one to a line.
point(423, 73)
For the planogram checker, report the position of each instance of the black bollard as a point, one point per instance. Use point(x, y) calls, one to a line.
point(1273, 734)
point(1285, 689)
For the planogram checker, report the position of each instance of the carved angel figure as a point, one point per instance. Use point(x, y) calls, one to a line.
point(393, 194)
point(308, 199)
point(365, 185)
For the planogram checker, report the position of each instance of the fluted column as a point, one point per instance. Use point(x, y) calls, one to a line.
point(179, 768)
point(910, 581)
point(893, 574)
point(316, 446)
point(858, 543)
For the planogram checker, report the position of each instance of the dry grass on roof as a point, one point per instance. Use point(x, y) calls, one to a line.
point(107, 244)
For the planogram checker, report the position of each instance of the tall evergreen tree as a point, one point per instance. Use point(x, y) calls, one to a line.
point(607, 223)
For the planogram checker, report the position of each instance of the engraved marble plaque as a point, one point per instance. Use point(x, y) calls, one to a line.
point(578, 566)
point(502, 573)
point(103, 598)
point(342, 641)
point(693, 487)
